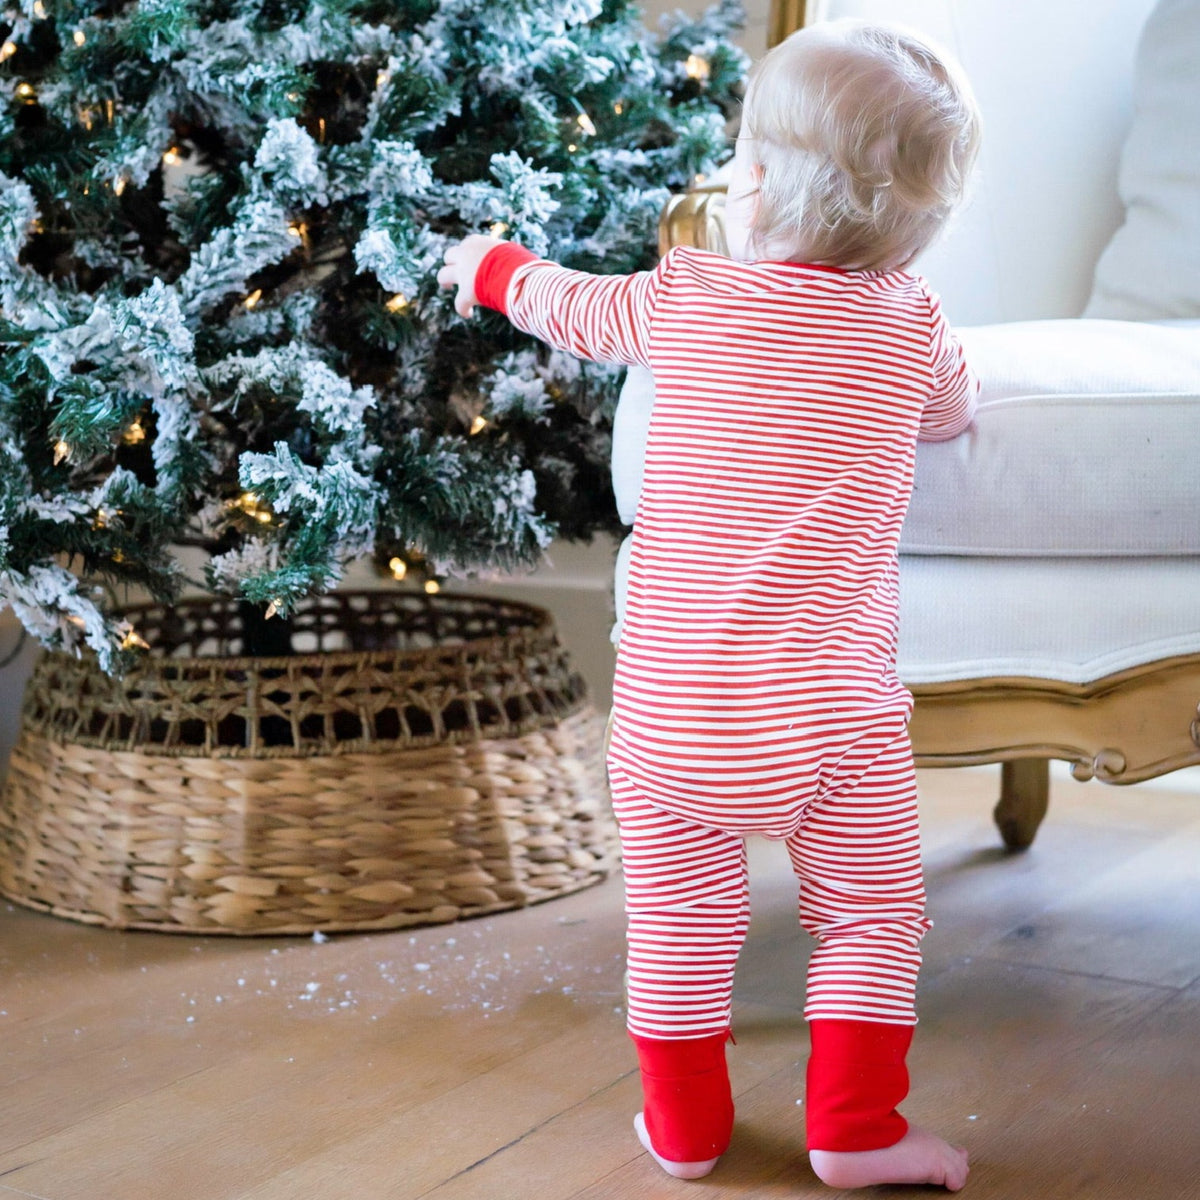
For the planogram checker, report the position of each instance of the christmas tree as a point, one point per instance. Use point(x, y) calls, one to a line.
point(220, 223)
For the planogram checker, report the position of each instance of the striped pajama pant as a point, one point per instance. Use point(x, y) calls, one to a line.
point(856, 852)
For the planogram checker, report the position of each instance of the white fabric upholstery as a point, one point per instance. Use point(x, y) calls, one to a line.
point(1151, 268)
point(1054, 83)
point(631, 423)
point(1085, 444)
point(1061, 358)
point(1075, 620)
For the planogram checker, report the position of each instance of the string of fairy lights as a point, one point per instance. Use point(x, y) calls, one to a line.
point(248, 506)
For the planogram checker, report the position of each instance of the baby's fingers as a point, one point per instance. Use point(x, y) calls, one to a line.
point(464, 302)
point(461, 263)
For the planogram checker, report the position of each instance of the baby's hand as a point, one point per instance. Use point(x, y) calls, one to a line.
point(462, 263)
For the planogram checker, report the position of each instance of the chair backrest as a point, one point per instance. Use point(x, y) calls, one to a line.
point(1054, 84)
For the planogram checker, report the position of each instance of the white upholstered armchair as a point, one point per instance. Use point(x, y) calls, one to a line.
point(1050, 564)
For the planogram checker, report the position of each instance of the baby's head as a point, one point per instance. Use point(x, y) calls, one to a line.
point(856, 145)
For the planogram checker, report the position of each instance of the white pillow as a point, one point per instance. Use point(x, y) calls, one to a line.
point(1151, 268)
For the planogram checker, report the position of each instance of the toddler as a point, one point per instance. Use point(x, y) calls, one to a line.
point(755, 689)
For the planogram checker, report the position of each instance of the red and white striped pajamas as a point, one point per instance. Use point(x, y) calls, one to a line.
point(755, 690)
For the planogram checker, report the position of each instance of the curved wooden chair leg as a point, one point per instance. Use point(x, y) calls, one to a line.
point(1024, 797)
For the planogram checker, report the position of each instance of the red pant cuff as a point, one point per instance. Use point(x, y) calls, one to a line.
point(856, 1078)
point(688, 1106)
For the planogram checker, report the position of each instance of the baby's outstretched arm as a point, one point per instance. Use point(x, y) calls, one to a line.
point(606, 318)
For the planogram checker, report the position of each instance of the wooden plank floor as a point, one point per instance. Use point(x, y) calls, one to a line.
point(1060, 1037)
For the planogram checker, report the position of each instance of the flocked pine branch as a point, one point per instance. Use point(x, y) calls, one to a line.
point(220, 223)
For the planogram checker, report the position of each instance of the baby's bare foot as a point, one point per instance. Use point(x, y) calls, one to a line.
point(680, 1170)
point(918, 1157)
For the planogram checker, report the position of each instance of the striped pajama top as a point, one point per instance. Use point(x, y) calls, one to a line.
point(762, 609)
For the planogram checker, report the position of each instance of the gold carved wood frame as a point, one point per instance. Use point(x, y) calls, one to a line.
point(784, 17)
point(1125, 728)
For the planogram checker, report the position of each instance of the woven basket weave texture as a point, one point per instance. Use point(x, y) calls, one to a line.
point(422, 759)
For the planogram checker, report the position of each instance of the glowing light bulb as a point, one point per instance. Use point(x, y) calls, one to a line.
point(398, 303)
point(252, 505)
point(134, 434)
point(398, 568)
point(618, 108)
point(172, 157)
point(586, 124)
point(478, 425)
point(697, 67)
point(26, 91)
point(499, 229)
point(432, 587)
point(119, 184)
point(273, 608)
point(39, 10)
point(61, 451)
point(7, 51)
point(80, 38)
point(252, 299)
point(134, 641)
point(572, 148)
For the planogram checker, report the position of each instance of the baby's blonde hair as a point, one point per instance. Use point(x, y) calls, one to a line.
point(865, 137)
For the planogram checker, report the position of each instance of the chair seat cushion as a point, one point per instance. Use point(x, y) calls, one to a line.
point(1075, 620)
point(1085, 444)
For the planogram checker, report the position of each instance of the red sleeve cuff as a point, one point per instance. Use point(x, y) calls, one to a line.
point(495, 274)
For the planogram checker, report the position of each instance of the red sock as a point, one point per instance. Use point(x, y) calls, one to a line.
point(856, 1078)
point(688, 1106)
